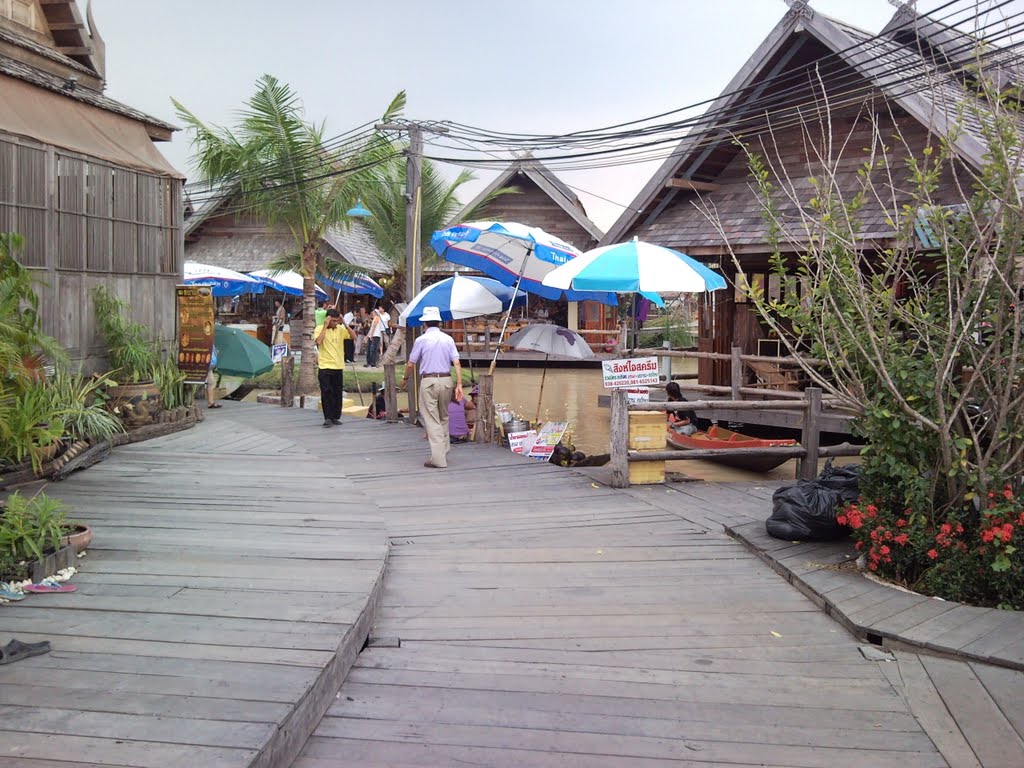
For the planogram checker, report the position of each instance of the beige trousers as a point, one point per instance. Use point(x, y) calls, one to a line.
point(435, 394)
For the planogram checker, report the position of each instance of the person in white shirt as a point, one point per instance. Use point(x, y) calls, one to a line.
point(348, 319)
point(378, 324)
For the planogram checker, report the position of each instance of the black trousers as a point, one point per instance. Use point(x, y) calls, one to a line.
point(331, 392)
point(350, 351)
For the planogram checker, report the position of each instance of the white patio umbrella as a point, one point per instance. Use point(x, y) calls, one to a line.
point(551, 340)
point(285, 281)
point(635, 267)
point(223, 281)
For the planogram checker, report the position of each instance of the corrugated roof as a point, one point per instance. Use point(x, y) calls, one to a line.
point(30, 74)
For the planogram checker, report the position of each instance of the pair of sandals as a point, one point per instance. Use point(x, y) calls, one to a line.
point(17, 650)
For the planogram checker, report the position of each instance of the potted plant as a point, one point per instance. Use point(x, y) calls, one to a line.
point(134, 357)
point(31, 529)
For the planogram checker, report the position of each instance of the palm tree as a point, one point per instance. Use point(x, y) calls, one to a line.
point(386, 200)
point(283, 170)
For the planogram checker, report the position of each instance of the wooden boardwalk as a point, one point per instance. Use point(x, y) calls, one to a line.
point(529, 616)
point(547, 620)
point(224, 597)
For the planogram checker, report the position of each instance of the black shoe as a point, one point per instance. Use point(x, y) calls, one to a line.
point(326, 423)
point(336, 421)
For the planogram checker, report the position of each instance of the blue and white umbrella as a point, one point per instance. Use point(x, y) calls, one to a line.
point(223, 281)
point(286, 282)
point(360, 284)
point(460, 297)
point(635, 267)
point(513, 254)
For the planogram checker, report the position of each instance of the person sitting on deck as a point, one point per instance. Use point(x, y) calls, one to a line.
point(458, 419)
point(378, 410)
point(681, 421)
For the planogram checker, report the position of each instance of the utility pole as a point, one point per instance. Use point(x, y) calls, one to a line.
point(413, 262)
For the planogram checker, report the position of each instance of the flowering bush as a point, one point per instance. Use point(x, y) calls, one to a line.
point(972, 559)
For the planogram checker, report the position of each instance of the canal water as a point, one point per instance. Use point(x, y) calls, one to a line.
point(570, 394)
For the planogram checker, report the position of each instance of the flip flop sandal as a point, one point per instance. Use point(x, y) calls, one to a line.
point(44, 587)
point(7, 593)
point(17, 650)
point(215, 405)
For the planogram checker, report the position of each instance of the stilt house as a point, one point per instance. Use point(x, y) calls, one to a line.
point(81, 179)
point(813, 78)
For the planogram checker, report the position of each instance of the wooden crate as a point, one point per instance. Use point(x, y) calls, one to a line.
point(647, 431)
point(646, 472)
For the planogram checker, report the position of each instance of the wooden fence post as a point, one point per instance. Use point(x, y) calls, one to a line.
point(487, 340)
point(390, 393)
point(619, 439)
point(287, 381)
point(737, 373)
point(811, 437)
point(485, 410)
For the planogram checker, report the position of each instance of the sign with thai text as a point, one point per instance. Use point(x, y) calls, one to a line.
point(548, 437)
point(195, 331)
point(633, 372)
point(638, 395)
point(522, 442)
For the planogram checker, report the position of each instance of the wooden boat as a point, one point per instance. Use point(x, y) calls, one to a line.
point(719, 438)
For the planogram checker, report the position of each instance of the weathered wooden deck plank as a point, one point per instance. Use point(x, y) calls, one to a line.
point(195, 638)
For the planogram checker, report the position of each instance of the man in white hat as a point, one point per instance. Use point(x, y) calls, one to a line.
point(435, 353)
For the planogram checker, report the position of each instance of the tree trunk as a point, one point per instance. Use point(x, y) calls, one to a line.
point(307, 368)
point(391, 355)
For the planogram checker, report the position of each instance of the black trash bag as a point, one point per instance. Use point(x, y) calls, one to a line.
point(807, 511)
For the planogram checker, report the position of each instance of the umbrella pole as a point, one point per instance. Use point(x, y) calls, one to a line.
point(469, 352)
point(540, 397)
point(359, 387)
point(508, 315)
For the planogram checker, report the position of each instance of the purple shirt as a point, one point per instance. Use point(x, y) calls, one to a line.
point(457, 426)
point(434, 352)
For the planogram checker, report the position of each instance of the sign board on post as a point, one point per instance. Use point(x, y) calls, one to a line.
point(278, 353)
point(548, 437)
point(633, 372)
point(195, 331)
point(638, 395)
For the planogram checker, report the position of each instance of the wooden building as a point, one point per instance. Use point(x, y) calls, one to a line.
point(908, 79)
point(81, 179)
point(219, 231)
point(543, 200)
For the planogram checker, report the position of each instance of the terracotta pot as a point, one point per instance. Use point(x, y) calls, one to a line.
point(47, 452)
point(136, 404)
point(80, 538)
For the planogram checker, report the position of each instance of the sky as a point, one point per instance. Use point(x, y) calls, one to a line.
point(529, 66)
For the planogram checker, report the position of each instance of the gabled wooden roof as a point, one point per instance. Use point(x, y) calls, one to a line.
point(534, 170)
point(885, 62)
point(75, 36)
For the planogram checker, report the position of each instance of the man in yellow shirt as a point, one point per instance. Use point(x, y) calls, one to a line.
point(330, 341)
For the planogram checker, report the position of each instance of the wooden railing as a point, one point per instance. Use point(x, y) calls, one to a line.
point(808, 451)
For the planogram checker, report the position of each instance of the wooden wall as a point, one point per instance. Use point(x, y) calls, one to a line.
point(88, 222)
point(535, 208)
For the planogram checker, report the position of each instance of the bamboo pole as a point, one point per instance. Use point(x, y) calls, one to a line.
point(540, 397)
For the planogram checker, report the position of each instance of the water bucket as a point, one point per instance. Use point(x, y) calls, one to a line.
point(516, 425)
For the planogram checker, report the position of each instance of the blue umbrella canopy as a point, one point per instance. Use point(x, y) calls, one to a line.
point(459, 297)
point(359, 284)
point(513, 254)
point(636, 267)
point(286, 282)
point(223, 281)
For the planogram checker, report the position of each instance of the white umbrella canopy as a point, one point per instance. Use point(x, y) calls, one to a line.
point(635, 267)
point(551, 340)
point(458, 298)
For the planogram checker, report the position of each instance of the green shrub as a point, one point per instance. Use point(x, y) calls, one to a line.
point(134, 355)
point(31, 527)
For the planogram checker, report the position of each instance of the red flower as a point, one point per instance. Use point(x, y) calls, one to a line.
point(873, 566)
point(1007, 531)
point(946, 529)
point(884, 550)
point(902, 539)
point(901, 523)
point(1007, 493)
point(988, 534)
point(841, 519)
point(932, 554)
point(855, 523)
point(859, 545)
